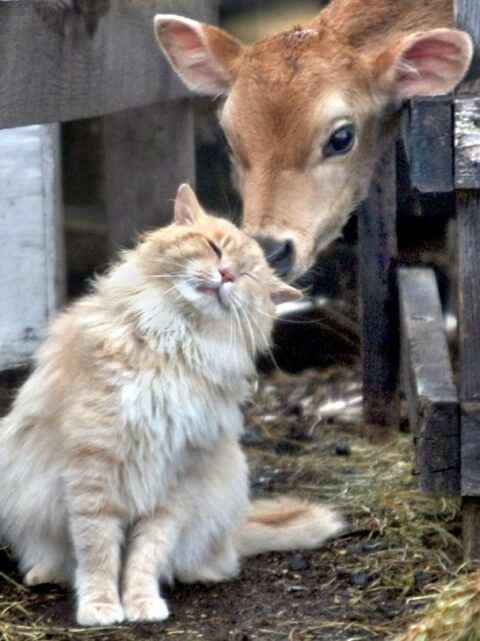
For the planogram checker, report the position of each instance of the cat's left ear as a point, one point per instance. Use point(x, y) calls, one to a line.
point(283, 293)
point(187, 208)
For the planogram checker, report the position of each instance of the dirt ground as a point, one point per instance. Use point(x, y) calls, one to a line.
point(302, 438)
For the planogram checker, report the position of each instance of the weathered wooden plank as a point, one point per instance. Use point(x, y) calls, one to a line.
point(55, 73)
point(468, 225)
point(467, 142)
point(432, 398)
point(148, 152)
point(470, 449)
point(470, 522)
point(468, 232)
point(380, 344)
point(427, 135)
point(31, 250)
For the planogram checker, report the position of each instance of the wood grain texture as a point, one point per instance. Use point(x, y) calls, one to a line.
point(428, 141)
point(467, 156)
point(64, 71)
point(377, 261)
point(470, 522)
point(468, 233)
point(428, 383)
point(148, 153)
point(31, 250)
point(470, 449)
point(467, 142)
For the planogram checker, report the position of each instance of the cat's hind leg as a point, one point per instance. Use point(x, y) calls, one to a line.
point(44, 559)
point(40, 574)
point(223, 564)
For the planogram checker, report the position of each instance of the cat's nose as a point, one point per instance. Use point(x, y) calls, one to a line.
point(226, 274)
point(280, 254)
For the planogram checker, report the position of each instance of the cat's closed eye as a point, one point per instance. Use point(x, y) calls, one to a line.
point(215, 248)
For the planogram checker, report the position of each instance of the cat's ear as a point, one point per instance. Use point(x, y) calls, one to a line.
point(283, 293)
point(187, 208)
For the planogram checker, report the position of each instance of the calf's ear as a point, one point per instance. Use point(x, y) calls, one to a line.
point(428, 63)
point(206, 58)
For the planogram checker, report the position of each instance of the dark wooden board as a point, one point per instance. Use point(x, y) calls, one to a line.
point(471, 449)
point(148, 152)
point(56, 70)
point(432, 398)
point(468, 225)
point(467, 168)
point(427, 134)
point(468, 228)
point(470, 521)
point(377, 261)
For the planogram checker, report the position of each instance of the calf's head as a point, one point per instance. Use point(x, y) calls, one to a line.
point(303, 116)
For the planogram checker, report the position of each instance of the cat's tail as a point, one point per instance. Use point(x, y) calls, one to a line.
point(285, 523)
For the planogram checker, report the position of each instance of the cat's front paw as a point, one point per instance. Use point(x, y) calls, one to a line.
point(141, 608)
point(92, 613)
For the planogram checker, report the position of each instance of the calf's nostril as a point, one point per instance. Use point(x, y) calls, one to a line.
point(280, 254)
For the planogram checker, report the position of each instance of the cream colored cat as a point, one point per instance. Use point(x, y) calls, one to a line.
point(120, 460)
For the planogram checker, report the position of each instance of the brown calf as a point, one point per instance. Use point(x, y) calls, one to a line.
point(306, 109)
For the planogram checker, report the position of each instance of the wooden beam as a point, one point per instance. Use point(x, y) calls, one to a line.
point(148, 152)
point(432, 398)
point(427, 135)
point(377, 261)
point(468, 225)
point(31, 239)
point(470, 521)
point(57, 71)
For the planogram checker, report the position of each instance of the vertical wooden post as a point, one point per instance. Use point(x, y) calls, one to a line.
point(468, 222)
point(148, 152)
point(380, 331)
point(467, 181)
point(31, 239)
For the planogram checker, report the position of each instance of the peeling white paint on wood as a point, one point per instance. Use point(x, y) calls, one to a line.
point(31, 248)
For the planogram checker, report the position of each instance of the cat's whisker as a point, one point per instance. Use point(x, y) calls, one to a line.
point(252, 276)
point(167, 276)
point(291, 321)
point(237, 319)
point(265, 339)
point(237, 304)
point(230, 338)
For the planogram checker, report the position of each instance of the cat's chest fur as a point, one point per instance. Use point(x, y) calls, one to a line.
point(175, 411)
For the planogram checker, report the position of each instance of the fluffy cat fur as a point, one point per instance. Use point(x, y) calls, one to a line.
point(120, 458)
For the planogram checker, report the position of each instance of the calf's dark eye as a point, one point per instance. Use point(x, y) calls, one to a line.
point(340, 142)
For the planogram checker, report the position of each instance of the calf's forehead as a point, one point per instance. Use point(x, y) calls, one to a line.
point(281, 87)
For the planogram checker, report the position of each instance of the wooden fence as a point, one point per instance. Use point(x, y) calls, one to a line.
point(60, 66)
point(442, 141)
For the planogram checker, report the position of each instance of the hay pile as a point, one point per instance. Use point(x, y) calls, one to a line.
point(454, 616)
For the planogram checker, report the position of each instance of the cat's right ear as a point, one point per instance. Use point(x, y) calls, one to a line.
point(187, 208)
